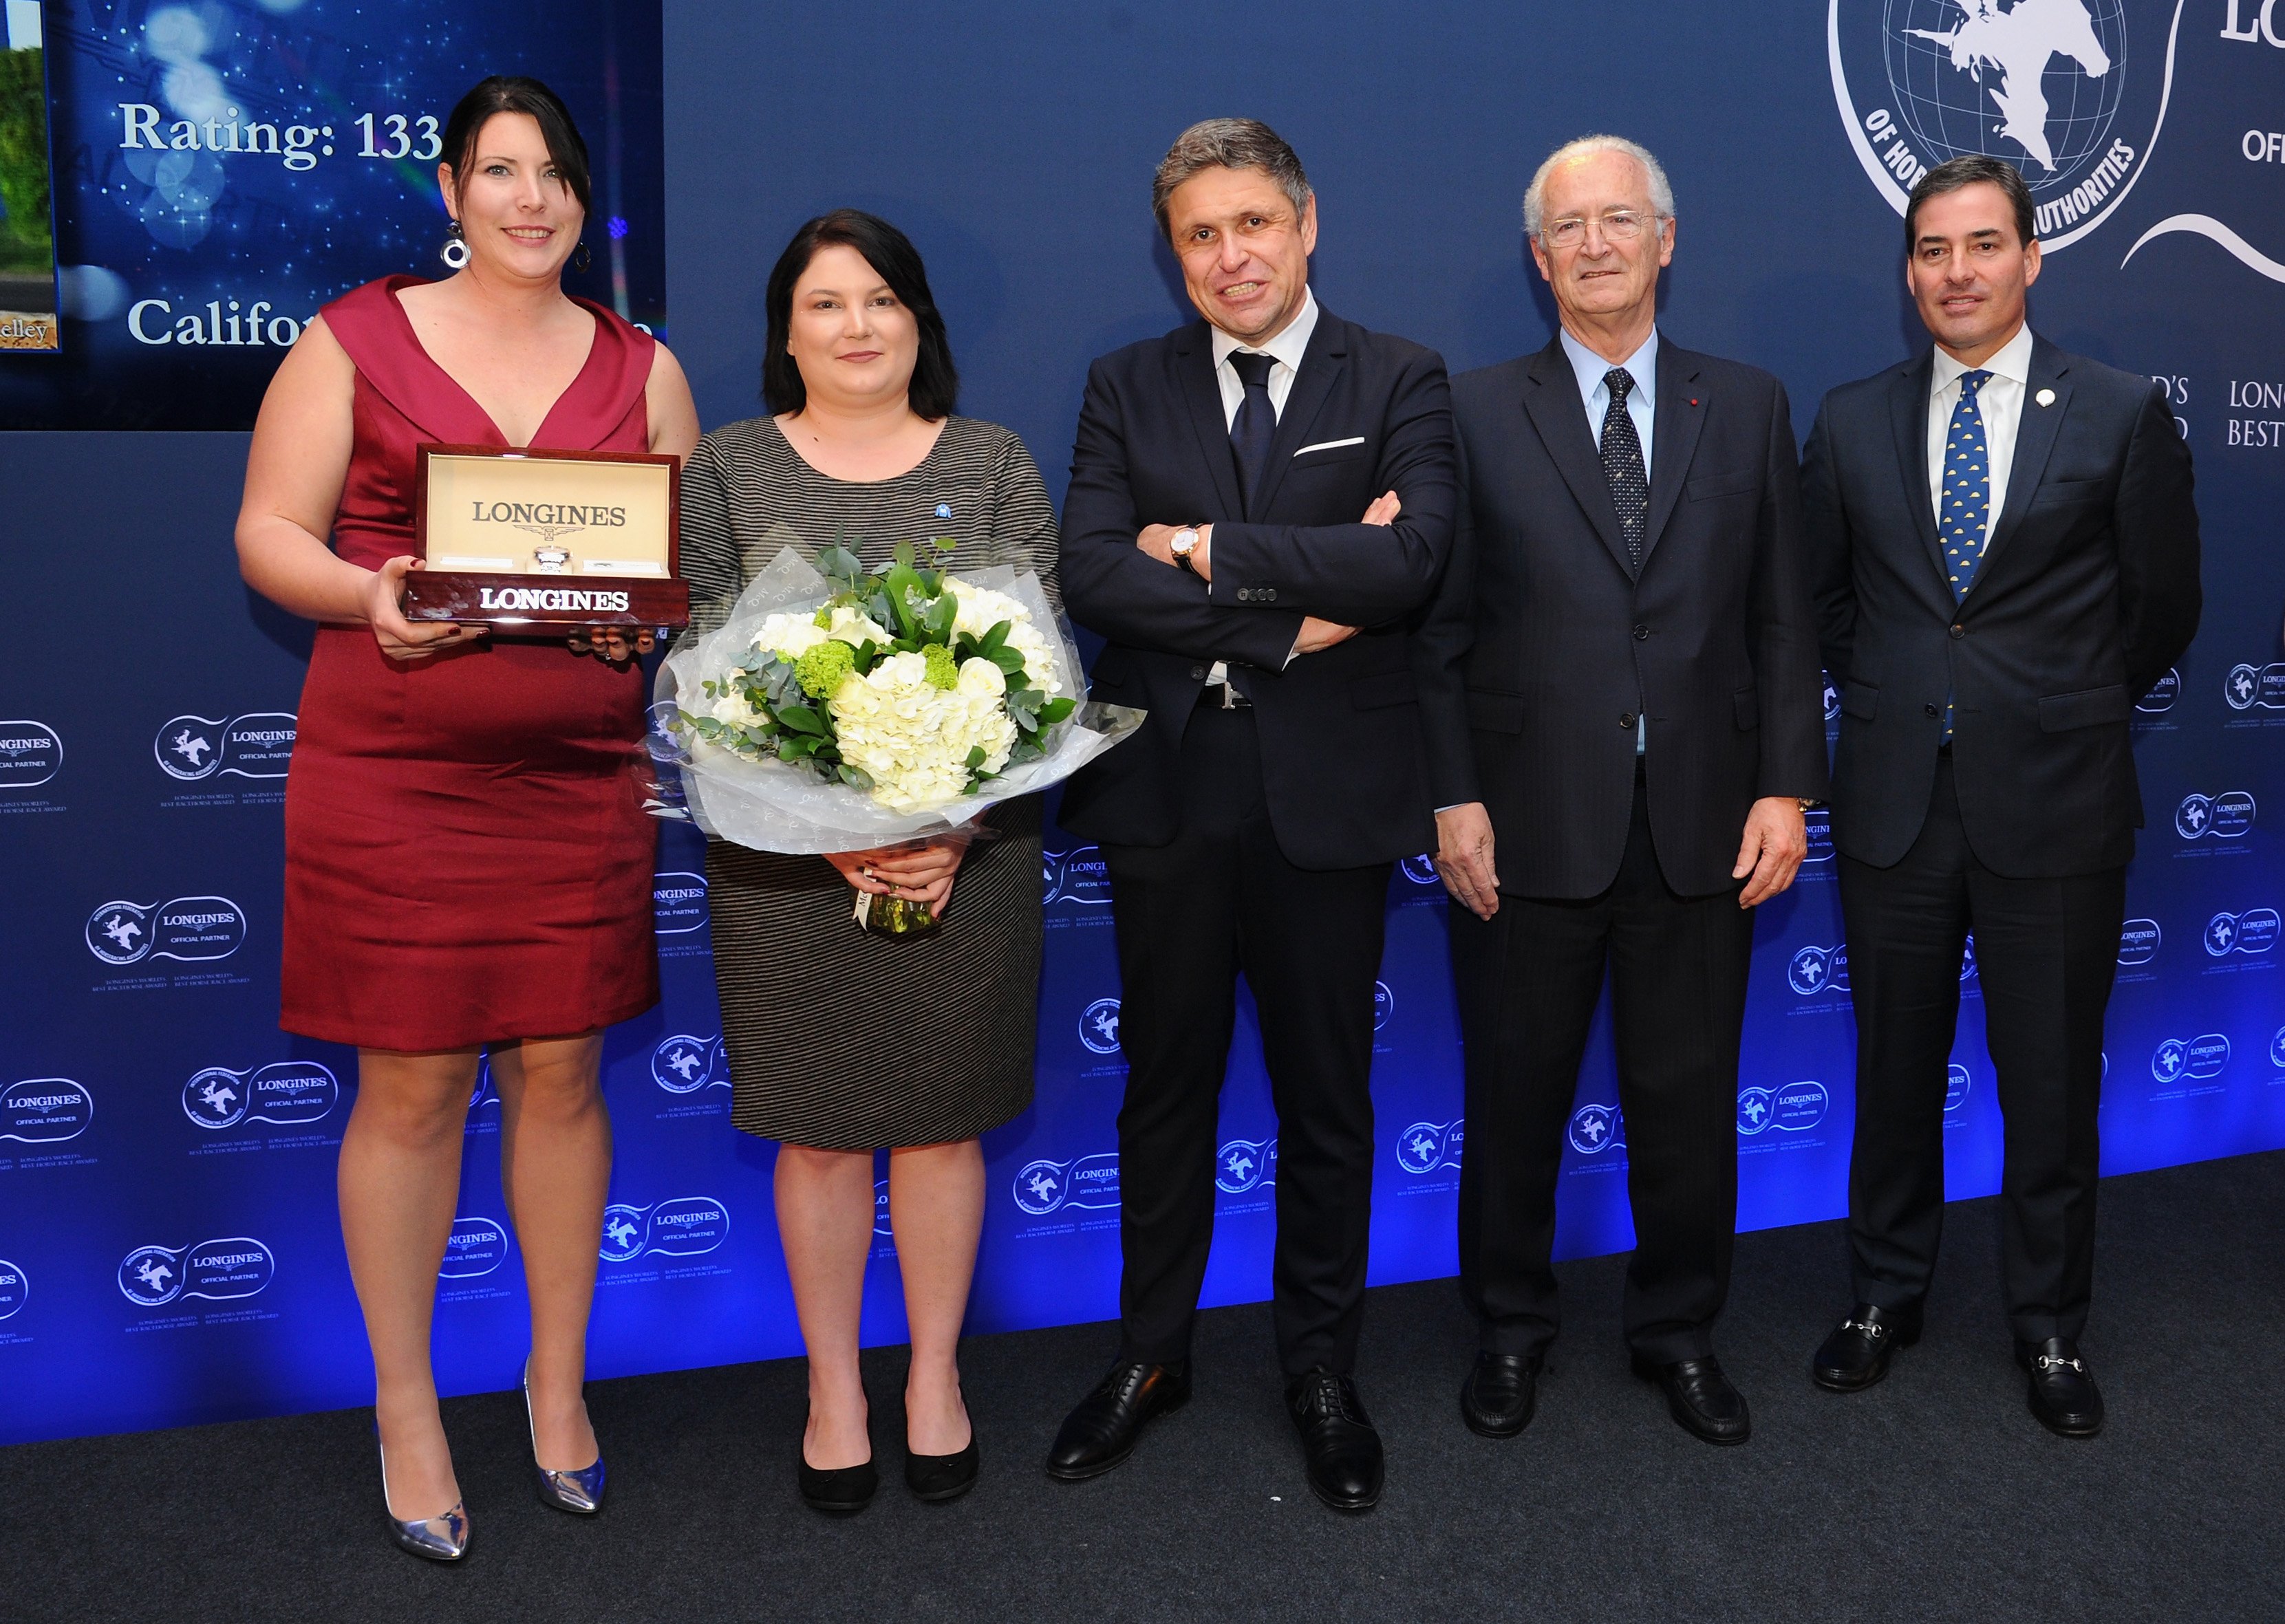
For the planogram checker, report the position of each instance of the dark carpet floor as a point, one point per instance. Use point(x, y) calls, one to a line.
point(1934, 1496)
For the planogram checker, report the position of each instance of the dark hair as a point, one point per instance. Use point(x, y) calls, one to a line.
point(1230, 144)
point(513, 93)
point(1953, 173)
point(936, 384)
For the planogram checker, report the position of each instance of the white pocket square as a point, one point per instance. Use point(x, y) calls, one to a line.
point(1330, 445)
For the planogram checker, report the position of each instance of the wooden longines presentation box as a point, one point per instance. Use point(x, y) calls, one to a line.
point(547, 539)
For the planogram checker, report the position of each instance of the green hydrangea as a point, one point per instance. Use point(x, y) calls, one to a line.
point(943, 669)
point(824, 668)
point(823, 618)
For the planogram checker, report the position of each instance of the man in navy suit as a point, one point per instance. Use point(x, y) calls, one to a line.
point(1625, 709)
point(2007, 557)
point(1260, 506)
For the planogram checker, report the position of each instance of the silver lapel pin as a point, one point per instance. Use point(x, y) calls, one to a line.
point(2045, 398)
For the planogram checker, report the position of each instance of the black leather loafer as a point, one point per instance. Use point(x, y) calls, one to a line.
point(938, 1478)
point(1701, 1398)
point(1500, 1394)
point(1337, 1440)
point(1856, 1355)
point(1102, 1431)
point(2063, 1393)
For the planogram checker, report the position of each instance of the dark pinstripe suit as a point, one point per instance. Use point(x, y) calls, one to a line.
point(1547, 645)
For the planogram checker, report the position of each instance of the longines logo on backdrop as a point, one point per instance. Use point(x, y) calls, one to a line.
point(2072, 92)
point(1428, 1147)
point(1795, 1109)
point(1598, 1128)
point(2248, 685)
point(2139, 941)
point(1244, 1165)
point(188, 928)
point(2161, 695)
point(1098, 1026)
point(1420, 870)
point(2226, 816)
point(2199, 1057)
point(2253, 931)
point(477, 1246)
point(1817, 821)
point(678, 903)
point(45, 1111)
point(2277, 1048)
point(288, 1092)
point(15, 1288)
point(683, 1226)
point(684, 1065)
point(1087, 1181)
point(152, 1276)
point(259, 744)
point(1956, 1085)
point(1078, 876)
point(1384, 1004)
point(30, 753)
point(1813, 969)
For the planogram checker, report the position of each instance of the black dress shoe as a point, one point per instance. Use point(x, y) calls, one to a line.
point(1856, 1355)
point(1336, 1437)
point(1501, 1391)
point(1701, 1397)
point(1102, 1431)
point(841, 1490)
point(938, 1478)
point(2063, 1395)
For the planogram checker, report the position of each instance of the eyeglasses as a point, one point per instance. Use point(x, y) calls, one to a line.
point(1619, 225)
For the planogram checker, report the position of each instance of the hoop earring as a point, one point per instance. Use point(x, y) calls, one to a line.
point(455, 251)
point(583, 259)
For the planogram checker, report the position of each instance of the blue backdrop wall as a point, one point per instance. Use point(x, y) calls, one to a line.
point(169, 1250)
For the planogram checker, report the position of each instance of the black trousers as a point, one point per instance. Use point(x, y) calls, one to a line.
point(2046, 952)
point(1220, 900)
point(1528, 981)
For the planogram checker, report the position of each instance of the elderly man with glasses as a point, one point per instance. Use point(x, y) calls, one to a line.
point(1624, 714)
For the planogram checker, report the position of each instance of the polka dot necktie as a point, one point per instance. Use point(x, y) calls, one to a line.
point(1623, 463)
point(1964, 515)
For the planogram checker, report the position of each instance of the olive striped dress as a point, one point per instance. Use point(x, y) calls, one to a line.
point(839, 1038)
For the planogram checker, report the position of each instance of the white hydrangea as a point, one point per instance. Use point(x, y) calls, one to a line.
point(789, 636)
point(913, 739)
point(735, 709)
point(982, 608)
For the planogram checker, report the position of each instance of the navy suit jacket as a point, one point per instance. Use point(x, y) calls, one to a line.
point(1344, 774)
point(1547, 645)
point(2088, 591)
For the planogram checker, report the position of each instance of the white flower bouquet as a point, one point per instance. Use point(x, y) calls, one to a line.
point(838, 710)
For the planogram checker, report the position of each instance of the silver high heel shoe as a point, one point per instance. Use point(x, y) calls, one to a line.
point(439, 1539)
point(580, 1491)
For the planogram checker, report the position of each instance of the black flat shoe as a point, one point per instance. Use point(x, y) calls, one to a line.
point(1701, 1399)
point(1337, 1440)
point(842, 1491)
point(1500, 1394)
point(1857, 1355)
point(2062, 1392)
point(936, 1479)
point(1102, 1431)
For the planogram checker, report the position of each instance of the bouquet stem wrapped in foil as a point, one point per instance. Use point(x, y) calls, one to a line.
point(789, 805)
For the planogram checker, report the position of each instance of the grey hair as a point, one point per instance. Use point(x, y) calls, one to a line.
point(1535, 197)
point(1230, 144)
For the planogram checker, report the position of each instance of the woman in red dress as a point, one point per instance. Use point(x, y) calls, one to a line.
point(468, 865)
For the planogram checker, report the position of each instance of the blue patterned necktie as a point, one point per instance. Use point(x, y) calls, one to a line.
point(1965, 516)
point(1255, 425)
point(1623, 463)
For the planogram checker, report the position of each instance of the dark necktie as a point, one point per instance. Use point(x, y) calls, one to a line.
point(1255, 425)
point(1965, 514)
point(1623, 463)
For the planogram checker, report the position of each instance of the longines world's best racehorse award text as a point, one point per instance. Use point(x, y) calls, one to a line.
point(547, 539)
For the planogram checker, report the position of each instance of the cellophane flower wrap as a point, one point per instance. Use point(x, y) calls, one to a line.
point(839, 710)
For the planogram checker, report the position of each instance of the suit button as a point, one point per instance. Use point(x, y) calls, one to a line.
point(1268, 594)
point(1246, 595)
point(1931, 710)
point(1642, 635)
point(1198, 673)
point(1626, 719)
point(1959, 631)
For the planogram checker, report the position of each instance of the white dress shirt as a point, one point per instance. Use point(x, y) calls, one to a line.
point(1592, 372)
point(1285, 352)
point(2000, 400)
point(1642, 403)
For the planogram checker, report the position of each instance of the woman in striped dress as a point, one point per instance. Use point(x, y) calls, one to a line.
point(843, 1041)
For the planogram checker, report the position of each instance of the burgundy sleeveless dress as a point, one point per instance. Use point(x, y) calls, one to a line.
point(466, 855)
